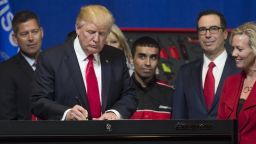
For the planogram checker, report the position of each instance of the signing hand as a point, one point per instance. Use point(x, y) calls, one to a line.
point(77, 113)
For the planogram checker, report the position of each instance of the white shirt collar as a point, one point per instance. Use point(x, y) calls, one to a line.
point(28, 59)
point(218, 61)
point(217, 70)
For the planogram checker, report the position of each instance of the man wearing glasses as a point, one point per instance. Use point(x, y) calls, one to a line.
point(199, 83)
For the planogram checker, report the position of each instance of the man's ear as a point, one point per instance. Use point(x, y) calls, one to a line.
point(14, 38)
point(225, 34)
point(42, 31)
point(77, 30)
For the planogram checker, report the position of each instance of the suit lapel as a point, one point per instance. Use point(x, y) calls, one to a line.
point(227, 71)
point(198, 81)
point(24, 65)
point(106, 78)
point(74, 69)
point(251, 100)
point(250, 103)
point(234, 91)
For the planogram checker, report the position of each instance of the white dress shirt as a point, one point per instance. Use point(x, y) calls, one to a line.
point(217, 70)
point(83, 61)
point(30, 61)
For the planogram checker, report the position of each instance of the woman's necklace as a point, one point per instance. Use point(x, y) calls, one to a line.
point(247, 89)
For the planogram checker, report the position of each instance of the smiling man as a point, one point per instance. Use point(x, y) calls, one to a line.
point(154, 95)
point(17, 72)
point(199, 83)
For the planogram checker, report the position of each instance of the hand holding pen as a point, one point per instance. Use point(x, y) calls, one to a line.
point(77, 112)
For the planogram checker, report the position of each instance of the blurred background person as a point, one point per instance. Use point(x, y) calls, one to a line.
point(238, 99)
point(154, 95)
point(117, 39)
point(17, 73)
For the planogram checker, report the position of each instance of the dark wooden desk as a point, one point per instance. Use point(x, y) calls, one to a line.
point(122, 131)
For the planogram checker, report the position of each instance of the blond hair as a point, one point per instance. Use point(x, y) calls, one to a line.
point(248, 29)
point(122, 40)
point(96, 14)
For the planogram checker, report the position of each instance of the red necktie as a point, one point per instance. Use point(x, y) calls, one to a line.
point(209, 85)
point(33, 117)
point(92, 89)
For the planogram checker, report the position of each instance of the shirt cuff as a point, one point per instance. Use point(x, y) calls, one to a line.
point(119, 116)
point(65, 114)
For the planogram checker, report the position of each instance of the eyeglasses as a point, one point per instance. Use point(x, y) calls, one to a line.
point(212, 30)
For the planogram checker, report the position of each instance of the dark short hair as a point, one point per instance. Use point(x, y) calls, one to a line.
point(223, 21)
point(21, 17)
point(145, 41)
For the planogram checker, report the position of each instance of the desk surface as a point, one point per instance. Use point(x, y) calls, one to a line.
point(120, 130)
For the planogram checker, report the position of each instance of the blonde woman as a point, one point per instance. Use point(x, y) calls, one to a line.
point(238, 99)
point(117, 39)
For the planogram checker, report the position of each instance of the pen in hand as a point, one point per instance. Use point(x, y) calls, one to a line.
point(79, 103)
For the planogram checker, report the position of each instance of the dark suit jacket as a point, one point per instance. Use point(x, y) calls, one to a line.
point(15, 84)
point(188, 98)
point(228, 108)
point(59, 81)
